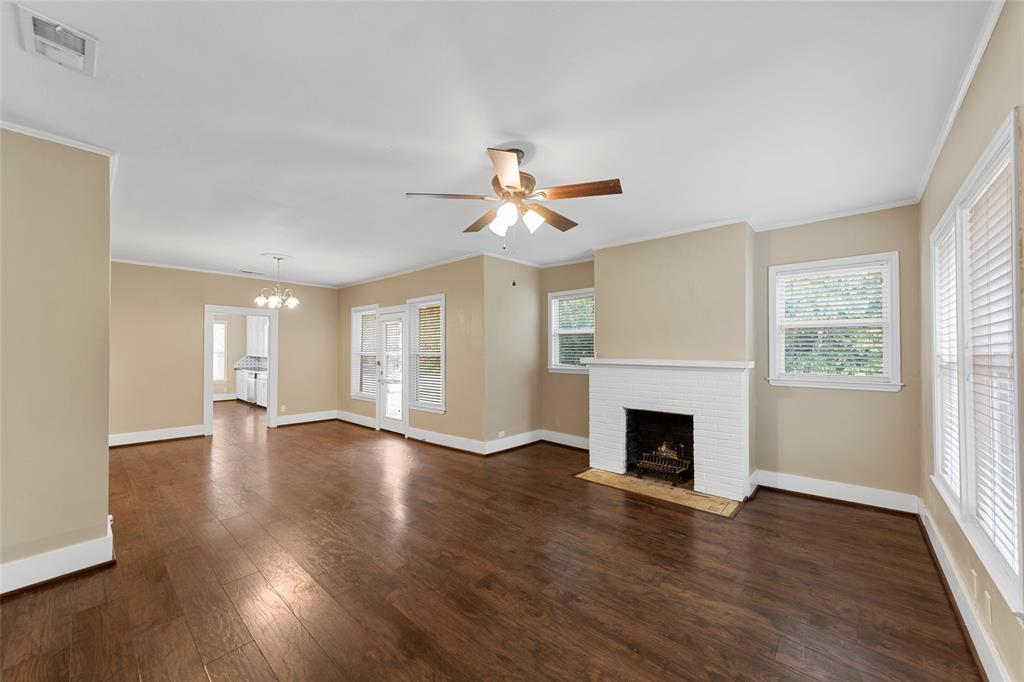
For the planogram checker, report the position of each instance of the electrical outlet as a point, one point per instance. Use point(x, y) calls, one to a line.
point(284, 408)
point(988, 607)
point(974, 582)
point(501, 434)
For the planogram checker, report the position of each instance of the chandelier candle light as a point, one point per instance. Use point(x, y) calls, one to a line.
point(275, 298)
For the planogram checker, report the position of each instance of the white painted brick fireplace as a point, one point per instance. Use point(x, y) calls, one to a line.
point(715, 393)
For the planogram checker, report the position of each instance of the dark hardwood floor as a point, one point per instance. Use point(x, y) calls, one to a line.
point(329, 551)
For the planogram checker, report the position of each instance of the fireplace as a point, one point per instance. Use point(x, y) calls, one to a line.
point(714, 393)
point(660, 445)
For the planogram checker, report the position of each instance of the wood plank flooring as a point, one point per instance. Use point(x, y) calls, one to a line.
point(328, 551)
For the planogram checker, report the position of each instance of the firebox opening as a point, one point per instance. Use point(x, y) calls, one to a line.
point(660, 445)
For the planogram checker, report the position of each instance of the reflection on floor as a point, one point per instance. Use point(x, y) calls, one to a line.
point(237, 419)
point(330, 551)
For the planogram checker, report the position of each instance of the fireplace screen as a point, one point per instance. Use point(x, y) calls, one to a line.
point(660, 445)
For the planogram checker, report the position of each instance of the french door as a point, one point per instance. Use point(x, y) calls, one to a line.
point(391, 384)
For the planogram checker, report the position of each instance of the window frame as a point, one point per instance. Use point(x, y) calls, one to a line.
point(356, 351)
point(412, 355)
point(892, 380)
point(224, 353)
point(1009, 579)
point(553, 333)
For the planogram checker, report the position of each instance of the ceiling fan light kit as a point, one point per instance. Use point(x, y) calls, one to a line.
point(514, 189)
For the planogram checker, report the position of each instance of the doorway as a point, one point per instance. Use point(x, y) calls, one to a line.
point(392, 334)
point(268, 390)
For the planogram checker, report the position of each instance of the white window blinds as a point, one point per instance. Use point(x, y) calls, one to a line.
point(364, 354)
point(427, 353)
point(989, 328)
point(947, 358)
point(836, 322)
point(976, 412)
point(572, 328)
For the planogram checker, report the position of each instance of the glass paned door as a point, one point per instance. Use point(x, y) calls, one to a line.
point(391, 384)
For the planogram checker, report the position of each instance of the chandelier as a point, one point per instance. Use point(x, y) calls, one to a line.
point(276, 297)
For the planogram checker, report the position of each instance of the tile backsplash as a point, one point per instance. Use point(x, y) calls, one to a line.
point(252, 362)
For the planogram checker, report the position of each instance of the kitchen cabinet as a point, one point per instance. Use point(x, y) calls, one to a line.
point(240, 392)
point(261, 389)
point(257, 336)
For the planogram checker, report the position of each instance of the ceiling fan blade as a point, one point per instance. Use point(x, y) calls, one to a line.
point(556, 220)
point(506, 167)
point(484, 197)
point(580, 189)
point(483, 221)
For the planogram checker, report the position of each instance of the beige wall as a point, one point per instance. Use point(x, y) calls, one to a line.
point(796, 427)
point(156, 345)
point(54, 298)
point(233, 352)
point(681, 297)
point(998, 86)
point(462, 283)
point(512, 356)
point(564, 398)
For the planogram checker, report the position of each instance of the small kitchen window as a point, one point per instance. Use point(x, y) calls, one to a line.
point(220, 331)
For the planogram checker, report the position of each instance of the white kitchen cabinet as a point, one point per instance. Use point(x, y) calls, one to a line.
point(240, 384)
point(257, 336)
point(261, 390)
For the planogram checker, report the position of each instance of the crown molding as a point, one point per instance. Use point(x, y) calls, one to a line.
point(217, 272)
point(517, 261)
point(672, 233)
point(68, 142)
point(984, 35)
point(411, 270)
point(571, 261)
point(833, 216)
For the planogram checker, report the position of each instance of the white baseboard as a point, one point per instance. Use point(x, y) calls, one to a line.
point(154, 435)
point(457, 442)
point(284, 419)
point(875, 497)
point(508, 442)
point(491, 447)
point(987, 654)
point(224, 396)
point(38, 568)
point(354, 418)
point(581, 442)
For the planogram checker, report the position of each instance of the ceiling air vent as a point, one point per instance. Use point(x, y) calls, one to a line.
point(68, 47)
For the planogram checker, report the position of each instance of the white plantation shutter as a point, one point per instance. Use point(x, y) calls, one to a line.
point(364, 353)
point(947, 359)
point(836, 321)
point(990, 329)
point(572, 328)
point(427, 353)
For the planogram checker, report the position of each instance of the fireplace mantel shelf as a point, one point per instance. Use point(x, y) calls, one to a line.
point(703, 364)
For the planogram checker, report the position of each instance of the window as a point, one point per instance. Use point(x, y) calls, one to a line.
point(220, 330)
point(975, 370)
point(835, 323)
point(571, 322)
point(364, 352)
point(426, 354)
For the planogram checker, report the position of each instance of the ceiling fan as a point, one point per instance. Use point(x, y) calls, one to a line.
point(518, 195)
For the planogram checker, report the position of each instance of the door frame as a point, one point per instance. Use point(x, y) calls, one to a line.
point(403, 311)
point(209, 311)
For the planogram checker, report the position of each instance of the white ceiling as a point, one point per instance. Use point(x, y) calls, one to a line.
point(296, 127)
